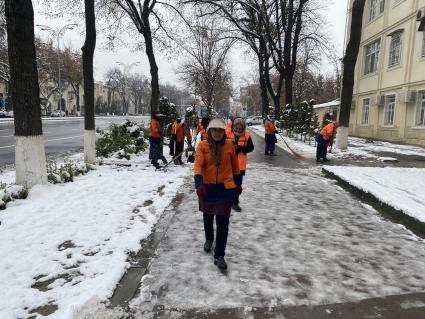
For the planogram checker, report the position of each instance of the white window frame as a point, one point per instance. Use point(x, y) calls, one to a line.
point(420, 109)
point(395, 49)
point(376, 9)
point(389, 115)
point(423, 45)
point(375, 54)
point(365, 111)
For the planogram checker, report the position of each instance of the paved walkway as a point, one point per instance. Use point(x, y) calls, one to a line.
point(302, 248)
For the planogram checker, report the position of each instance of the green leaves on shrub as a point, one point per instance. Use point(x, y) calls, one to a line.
point(121, 140)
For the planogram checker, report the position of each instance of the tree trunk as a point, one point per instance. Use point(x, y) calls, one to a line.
point(153, 66)
point(78, 97)
point(349, 62)
point(30, 158)
point(88, 53)
point(263, 88)
point(289, 88)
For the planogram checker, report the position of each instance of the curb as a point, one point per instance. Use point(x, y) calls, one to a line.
point(388, 211)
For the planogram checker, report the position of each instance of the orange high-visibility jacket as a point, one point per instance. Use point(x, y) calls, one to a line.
point(229, 127)
point(328, 131)
point(269, 127)
point(203, 130)
point(177, 129)
point(205, 165)
point(242, 142)
point(155, 129)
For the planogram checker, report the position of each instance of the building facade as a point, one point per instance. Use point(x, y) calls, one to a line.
point(389, 89)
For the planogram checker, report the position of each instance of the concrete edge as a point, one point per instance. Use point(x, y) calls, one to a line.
point(388, 211)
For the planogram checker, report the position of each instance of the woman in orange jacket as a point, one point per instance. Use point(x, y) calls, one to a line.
point(270, 136)
point(323, 139)
point(156, 139)
point(217, 182)
point(242, 141)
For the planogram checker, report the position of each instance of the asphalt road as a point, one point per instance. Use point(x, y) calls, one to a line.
point(60, 137)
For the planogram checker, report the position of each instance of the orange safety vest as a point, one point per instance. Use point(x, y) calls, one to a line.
point(328, 131)
point(229, 127)
point(177, 130)
point(155, 129)
point(269, 127)
point(242, 142)
point(205, 166)
point(203, 131)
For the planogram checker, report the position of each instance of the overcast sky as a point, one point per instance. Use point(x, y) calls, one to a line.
point(242, 66)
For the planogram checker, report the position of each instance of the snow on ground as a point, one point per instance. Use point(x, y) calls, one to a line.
point(67, 243)
point(401, 188)
point(300, 240)
point(358, 147)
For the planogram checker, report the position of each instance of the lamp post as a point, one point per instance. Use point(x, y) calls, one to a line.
point(58, 34)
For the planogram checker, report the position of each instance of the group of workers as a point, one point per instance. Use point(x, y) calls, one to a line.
point(220, 165)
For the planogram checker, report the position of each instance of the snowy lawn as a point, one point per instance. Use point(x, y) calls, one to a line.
point(358, 147)
point(67, 243)
point(401, 188)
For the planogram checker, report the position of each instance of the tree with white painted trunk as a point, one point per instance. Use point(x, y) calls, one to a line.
point(349, 64)
point(88, 53)
point(30, 157)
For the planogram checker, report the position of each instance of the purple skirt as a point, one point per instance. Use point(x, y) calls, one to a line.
point(215, 208)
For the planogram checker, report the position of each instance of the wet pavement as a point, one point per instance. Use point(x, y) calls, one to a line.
point(302, 247)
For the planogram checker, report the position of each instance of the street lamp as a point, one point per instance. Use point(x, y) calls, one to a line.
point(58, 34)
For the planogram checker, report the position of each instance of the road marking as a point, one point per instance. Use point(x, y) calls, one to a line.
point(52, 140)
point(7, 135)
point(8, 129)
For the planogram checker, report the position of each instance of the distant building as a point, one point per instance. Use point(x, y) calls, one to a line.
point(389, 90)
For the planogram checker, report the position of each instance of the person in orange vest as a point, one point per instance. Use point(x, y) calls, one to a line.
point(242, 141)
point(270, 136)
point(202, 128)
point(229, 125)
point(156, 140)
point(323, 138)
point(217, 182)
point(177, 134)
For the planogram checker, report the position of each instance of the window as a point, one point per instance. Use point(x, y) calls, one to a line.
point(423, 44)
point(372, 57)
point(395, 49)
point(389, 110)
point(420, 111)
point(365, 111)
point(376, 8)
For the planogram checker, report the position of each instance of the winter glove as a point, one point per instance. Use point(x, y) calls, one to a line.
point(200, 190)
point(238, 190)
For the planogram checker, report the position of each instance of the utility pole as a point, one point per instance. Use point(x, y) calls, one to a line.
point(58, 34)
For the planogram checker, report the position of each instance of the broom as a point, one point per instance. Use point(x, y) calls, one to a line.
point(294, 153)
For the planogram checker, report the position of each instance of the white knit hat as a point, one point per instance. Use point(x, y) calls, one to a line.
point(217, 123)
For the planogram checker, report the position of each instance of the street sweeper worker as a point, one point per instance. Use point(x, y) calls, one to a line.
point(178, 136)
point(156, 140)
point(202, 128)
point(217, 182)
point(323, 138)
point(270, 136)
point(229, 125)
point(242, 141)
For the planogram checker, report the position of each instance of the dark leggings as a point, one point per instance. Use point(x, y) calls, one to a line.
point(236, 201)
point(222, 223)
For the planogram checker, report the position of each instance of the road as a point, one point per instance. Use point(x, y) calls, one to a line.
point(60, 137)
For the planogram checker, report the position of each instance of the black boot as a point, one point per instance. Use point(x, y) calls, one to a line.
point(236, 208)
point(164, 160)
point(208, 246)
point(266, 153)
point(156, 164)
point(220, 263)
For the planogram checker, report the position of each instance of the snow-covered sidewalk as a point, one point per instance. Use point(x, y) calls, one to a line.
point(359, 148)
point(401, 188)
point(67, 243)
point(300, 240)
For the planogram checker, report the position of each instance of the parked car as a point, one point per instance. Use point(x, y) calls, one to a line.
point(10, 114)
point(254, 120)
point(57, 114)
point(3, 113)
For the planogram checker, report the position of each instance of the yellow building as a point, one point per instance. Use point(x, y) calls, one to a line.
point(389, 88)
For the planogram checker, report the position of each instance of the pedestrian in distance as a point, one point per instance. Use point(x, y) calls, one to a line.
point(177, 135)
point(202, 128)
point(323, 138)
point(217, 182)
point(156, 139)
point(229, 125)
point(242, 141)
point(270, 136)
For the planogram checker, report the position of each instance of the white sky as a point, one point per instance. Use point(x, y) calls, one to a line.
point(242, 66)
